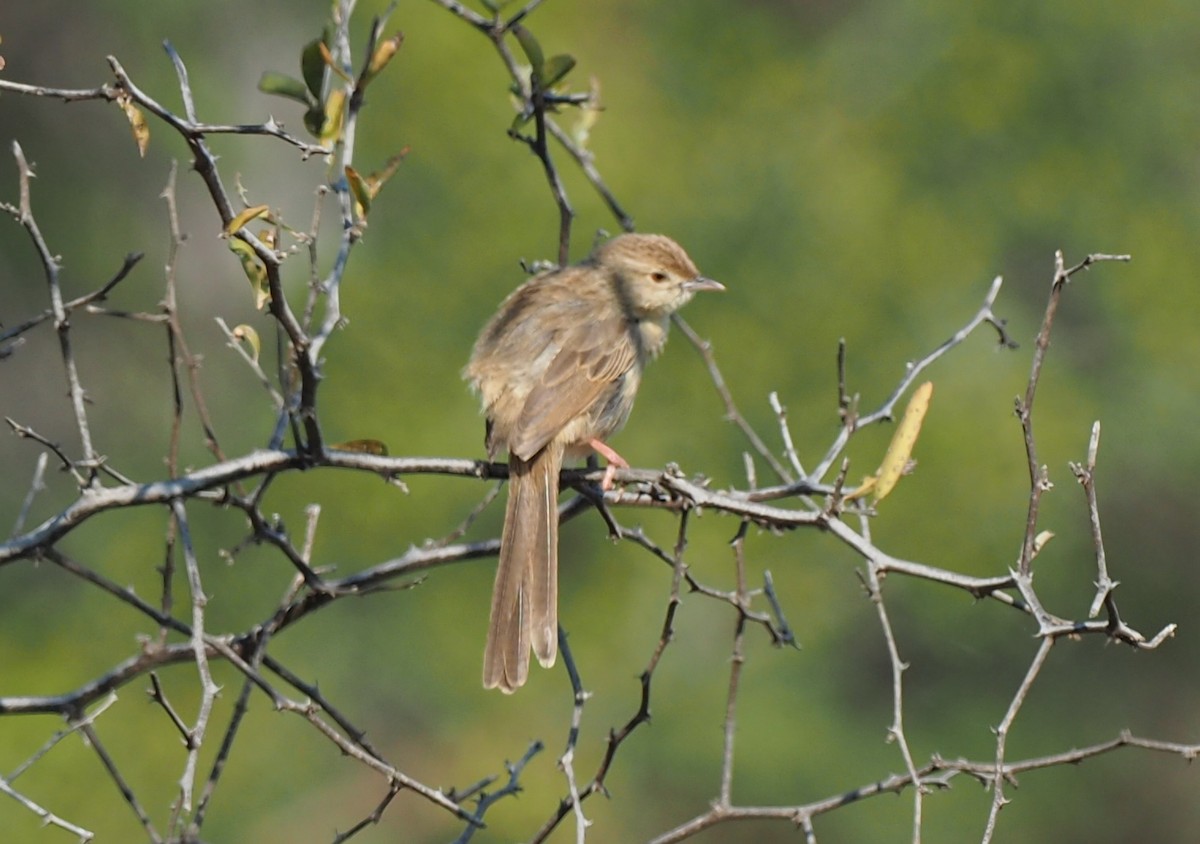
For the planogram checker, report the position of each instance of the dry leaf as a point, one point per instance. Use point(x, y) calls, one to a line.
point(137, 122)
point(1039, 541)
point(900, 450)
point(376, 447)
point(383, 54)
point(248, 335)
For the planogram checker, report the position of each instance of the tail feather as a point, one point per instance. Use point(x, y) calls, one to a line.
point(524, 611)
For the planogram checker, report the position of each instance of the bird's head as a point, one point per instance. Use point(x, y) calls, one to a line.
point(656, 275)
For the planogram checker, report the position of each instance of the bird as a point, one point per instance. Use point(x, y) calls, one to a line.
point(557, 369)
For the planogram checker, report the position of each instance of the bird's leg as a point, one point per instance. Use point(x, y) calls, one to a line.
point(615, 461)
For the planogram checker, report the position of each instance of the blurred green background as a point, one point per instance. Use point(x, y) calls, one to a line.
point(857, 170)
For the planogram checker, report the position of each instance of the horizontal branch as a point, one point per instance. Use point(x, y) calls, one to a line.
point(74, 702)
point(267, 462)
point(261, 462)
point(663, 489)
point(937, 773)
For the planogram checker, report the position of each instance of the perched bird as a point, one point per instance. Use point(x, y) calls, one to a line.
point(557, 369)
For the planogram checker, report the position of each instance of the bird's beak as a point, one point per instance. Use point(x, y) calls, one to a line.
point(701, 283)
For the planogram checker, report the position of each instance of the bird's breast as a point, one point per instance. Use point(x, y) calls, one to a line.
point(652, 336)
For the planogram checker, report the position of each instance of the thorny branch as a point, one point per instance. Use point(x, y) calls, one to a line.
point(1038, 479)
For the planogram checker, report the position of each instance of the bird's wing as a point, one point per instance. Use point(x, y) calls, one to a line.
point(592, 357)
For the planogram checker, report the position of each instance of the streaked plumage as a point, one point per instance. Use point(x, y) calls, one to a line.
point(557, 369)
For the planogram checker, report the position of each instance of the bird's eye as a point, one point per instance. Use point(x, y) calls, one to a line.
point(658, 275)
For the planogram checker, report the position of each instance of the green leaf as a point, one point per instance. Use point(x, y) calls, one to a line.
point(312, 65)
point(556, 68)
point(360, 190)
point(314, 120)
point(533, 50)
point(282, 85)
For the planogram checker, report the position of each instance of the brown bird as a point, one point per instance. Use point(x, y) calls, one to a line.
point(557, 368)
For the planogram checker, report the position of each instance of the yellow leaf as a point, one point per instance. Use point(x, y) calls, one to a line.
point(864, 489)
point(895, 461)
point(375, 447)
point(245, 217)
point(255, 271)
point(247, 334)
point(335, 107)
point(137, 122)
point(383, 54)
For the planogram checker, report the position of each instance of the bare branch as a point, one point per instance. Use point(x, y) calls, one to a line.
point(1038, 482)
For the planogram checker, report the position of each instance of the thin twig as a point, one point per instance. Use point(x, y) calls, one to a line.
point(106, 760)
point(1000, 772)
point(487, 799)
point(1038, 480)
point(854, 421)
point(36, 485)
point(736, 662)
point(62, 325)
point(1085, 473)
point(208, 687)
point(896, 731)
point(732, 414)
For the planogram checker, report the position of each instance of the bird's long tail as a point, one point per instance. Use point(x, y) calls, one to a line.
point(525, 596)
